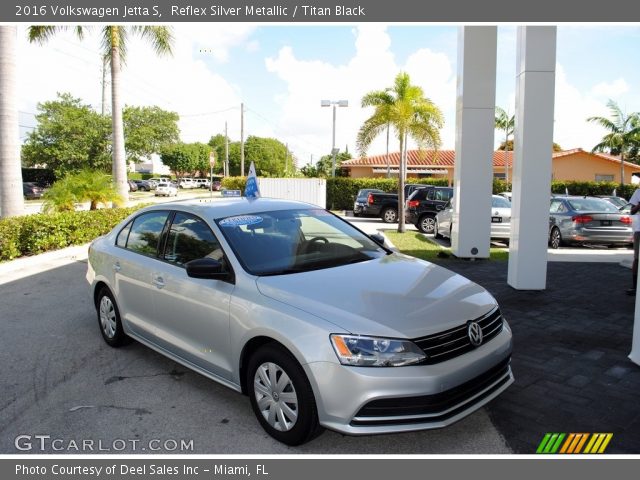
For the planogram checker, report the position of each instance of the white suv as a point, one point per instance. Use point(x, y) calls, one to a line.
point(187, 183)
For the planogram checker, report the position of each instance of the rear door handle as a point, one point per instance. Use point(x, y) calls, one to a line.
point(158, 281)
point(116, 267)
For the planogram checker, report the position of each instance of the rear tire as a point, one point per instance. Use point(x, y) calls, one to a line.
point(281, 396)
point(426, 223)
point(109, 319)
point(555, 238)
point(389, 215)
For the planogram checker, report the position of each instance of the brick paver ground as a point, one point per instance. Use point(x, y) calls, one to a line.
point(570, 361)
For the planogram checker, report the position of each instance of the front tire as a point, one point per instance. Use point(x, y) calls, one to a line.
point(436, 233)
point(389, 215)
point(109, 319)
point(281, 396)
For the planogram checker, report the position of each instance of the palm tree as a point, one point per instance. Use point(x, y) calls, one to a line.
point(623, 136)
point(11, 199)
point(114, 44)
point(405, 108)
point(85, 186)
point(505, 124)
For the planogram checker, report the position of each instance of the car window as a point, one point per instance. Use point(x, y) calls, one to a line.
point(292, 241)
point(557, 206)
point(121, 241)
point(190, 238)
point(592, 205)
point(500, 202)
point(418, 194)
point(146, 231)
point(443, 195)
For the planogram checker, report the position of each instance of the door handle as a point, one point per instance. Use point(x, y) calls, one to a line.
point(158, 281)
point(116, 267)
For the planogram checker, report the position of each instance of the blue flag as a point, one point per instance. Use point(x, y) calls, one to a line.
point(252, 190)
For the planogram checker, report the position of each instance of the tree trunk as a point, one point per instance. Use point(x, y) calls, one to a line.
point(622, 168)
point(11, 199)
point(401, 180)
point(119, 167)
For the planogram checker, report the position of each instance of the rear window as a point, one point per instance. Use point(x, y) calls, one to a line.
point(500, 202)
point(591, 205)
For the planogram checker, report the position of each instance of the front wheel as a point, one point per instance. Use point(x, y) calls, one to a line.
point(426, 224)
point(281, 396)
point(436, 233)
point(389, 215)
point(555, 238)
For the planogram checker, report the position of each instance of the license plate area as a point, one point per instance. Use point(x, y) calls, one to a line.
point(605, 223)
point(496, 219)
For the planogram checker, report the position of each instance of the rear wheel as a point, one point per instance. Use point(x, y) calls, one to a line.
point(109, 319)
point(389, 215)
point(426, 223)
point(555, 238)
point(281, 396)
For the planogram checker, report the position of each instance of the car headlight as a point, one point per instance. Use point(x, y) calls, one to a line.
point(363, 351)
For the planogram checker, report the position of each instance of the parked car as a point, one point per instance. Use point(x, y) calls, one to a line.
point(385, 205)
point(32, 191)
point(158, 180)
point(423, 205)
point(216, 185)
point(506, 195)
point(166, 189)
point(500, 219)
point(618, 202)
point(281, 301)
point(187, 183)
point(587, 220)
point(133, 187)
point(202, 183)
point(144, 185)
point(360, 202)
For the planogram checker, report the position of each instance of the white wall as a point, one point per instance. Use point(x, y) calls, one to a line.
point(310, 190)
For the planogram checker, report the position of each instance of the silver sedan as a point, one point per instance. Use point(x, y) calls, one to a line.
point(318, 323)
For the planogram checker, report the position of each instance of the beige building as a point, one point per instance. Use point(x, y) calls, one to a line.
point(575, 164)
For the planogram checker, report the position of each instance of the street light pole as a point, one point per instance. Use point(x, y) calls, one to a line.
point(334, 150)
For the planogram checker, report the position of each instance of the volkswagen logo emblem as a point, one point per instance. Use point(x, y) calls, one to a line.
point(474, 331)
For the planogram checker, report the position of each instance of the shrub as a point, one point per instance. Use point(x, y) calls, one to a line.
point(33, 234)
point(234, 183)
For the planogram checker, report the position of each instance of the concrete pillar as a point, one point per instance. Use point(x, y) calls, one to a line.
point(475, 119)
point(533, 139)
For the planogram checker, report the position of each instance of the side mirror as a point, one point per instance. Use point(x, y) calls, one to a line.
point(378, 238)
point(207, 268)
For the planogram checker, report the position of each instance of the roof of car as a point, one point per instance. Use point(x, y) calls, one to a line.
point(226, 207)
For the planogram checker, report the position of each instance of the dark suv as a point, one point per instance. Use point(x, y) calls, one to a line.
point(423, 204)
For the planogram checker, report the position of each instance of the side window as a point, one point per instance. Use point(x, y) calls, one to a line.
point(121, 241)
point(190, 238)
point(146, 231)
point(557, 207)
point(432, 194)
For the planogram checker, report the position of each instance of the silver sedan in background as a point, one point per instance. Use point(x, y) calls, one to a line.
point(318, 323)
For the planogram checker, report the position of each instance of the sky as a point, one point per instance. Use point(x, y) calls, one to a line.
point(281, 74)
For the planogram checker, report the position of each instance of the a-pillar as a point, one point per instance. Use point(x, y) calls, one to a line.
point(475, 120)
point(533, 140)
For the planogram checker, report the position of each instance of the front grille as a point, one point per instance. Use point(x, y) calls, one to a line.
point(434, 408)
point(455, 341)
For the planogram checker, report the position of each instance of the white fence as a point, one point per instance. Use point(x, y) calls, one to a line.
point(310, 190)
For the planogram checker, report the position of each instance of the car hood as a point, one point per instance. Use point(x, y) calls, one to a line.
point(395, 295)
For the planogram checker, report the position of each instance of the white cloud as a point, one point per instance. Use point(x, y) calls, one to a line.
point(373, 67)
point(611, 89)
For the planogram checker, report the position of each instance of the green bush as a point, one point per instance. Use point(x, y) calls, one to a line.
point(234, 183)
point(33, 234)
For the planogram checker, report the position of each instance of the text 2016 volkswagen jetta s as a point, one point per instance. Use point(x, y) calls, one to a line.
point(316, 322)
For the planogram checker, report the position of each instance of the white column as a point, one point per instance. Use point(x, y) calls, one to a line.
point(475, 118)
point(533, 139)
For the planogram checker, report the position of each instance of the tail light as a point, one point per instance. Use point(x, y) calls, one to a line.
point(370, 199)
point(626, 220)
point(413, 203)
point(581, 219)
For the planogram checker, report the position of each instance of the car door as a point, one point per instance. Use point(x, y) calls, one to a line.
point(132, 266)
point(192, 315)
point(444, 219)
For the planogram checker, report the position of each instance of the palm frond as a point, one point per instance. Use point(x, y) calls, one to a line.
point(160, 38)
point(43, 33)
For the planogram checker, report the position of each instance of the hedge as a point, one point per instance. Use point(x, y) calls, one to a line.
point(33, 234)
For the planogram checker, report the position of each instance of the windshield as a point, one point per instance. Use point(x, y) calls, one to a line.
point(500, 202)
point(292, 241)
point(592, 205)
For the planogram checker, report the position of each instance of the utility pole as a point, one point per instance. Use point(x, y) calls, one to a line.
point(242, 139)
point(226, 151)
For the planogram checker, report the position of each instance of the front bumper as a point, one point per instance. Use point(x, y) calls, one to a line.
point(363, 401)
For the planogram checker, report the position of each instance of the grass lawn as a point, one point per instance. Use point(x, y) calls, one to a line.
point(417, 245)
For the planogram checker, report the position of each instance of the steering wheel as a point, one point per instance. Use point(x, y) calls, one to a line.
point(318, 239)
point(308, 246)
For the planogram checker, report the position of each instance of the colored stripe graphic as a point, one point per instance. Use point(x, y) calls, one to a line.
point(575, 443)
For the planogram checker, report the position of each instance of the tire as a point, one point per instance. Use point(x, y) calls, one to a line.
point(555, 238)
point(109, 319)
point(426, 223)
point(436, 234)
point(389, 215)
point(292, 422)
